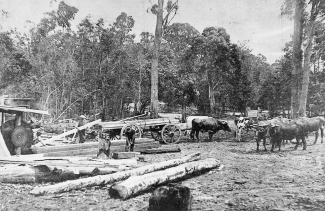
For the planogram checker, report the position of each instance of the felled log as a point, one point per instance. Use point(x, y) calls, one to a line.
point(67, 161)
point(33, 174)
point(161, 150)
point(136, 184)
point(93, 152)
point(12, 173)
point(105, 179)
point(68, 133)
point(87, 145)
point(172, 197)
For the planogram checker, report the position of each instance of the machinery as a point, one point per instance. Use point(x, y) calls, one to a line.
point(16, 133)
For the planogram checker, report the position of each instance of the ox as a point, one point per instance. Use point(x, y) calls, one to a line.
point(313, 124)
point(281, 131)
point(210, 125)
point(261, 133)
point(262, 130)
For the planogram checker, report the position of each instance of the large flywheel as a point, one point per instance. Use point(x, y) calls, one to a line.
point(22, 136)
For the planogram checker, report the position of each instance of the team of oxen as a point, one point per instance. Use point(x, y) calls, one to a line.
point(279, 130)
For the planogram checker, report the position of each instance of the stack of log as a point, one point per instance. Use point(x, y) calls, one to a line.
point(136, 180)
point(91, 148)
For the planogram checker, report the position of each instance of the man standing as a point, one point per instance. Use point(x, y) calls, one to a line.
point(82, 133)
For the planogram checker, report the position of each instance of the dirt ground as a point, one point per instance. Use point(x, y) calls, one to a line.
point(286, 180)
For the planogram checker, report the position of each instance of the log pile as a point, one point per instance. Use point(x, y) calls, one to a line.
point(91, 148)
point(111, 178)
point(135, 181)
point(123, 180)
point(136, 184)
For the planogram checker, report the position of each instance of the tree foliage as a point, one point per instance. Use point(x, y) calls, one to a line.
point(103, 69)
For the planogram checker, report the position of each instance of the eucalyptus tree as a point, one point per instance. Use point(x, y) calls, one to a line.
point(104, 59)
point(210, 55)
point(162, 21)
point(141, 55)
point(308, 16)
point(14, 67)
point(242, 87)
point(50, 52)
point(179, 36)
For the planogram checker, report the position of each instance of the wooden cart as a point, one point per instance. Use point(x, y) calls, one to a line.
point(165, 130)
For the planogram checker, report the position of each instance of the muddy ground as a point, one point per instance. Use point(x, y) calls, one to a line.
point(286, 180)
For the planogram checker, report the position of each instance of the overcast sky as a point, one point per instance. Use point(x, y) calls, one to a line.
point(256, 21)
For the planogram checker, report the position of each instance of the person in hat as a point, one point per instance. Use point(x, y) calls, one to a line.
point(82, 133)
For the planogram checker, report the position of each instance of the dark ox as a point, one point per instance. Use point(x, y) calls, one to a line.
point(262, 130)
point(281, 131)
point(210, 125)
point(261, 133)
point(313, 124)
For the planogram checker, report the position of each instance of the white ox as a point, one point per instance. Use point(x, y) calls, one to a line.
point(241, 124)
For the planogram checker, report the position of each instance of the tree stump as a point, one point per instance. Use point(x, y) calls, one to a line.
point(104, 147)
point(171, 197)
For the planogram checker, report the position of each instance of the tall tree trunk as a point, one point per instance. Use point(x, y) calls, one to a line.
point(297, 57)
point(306, 72)
point(307, 54)
point(137, 105)
point(183, 107)
point(154, 66)
point(212, 100)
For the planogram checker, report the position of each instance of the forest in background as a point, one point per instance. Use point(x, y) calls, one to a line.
point(99, 68)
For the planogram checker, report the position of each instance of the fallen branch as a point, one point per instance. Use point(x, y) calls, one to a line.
point(136, 184)
point(106, 179)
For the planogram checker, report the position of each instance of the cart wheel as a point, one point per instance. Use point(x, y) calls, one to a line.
point(22, 136)
point(135, 127)
point(157, 136)
point(171, 134)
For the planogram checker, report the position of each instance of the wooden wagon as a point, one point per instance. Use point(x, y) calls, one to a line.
point(165, 130)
